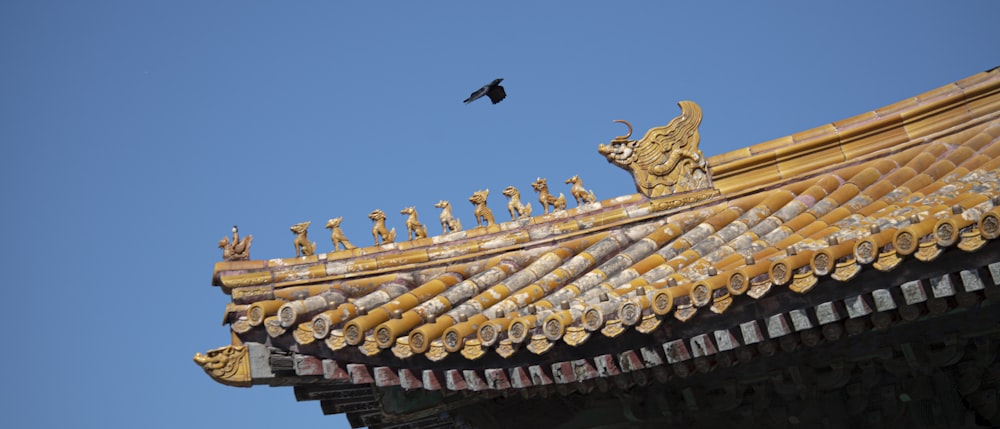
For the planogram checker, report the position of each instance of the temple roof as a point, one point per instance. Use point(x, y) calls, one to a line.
point(777, 242)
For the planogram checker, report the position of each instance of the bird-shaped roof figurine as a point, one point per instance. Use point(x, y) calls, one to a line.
point(492, 90)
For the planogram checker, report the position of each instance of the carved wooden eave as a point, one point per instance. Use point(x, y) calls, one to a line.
point(796, 265)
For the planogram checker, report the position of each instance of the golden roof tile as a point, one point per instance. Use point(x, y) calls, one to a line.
point(904, 184)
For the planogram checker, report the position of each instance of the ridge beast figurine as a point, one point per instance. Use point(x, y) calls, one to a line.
point(667, 160)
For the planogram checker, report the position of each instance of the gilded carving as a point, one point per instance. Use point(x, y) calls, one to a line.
point(473, 349)
point(971, 241)
point(321, 327)
point(580, 194)
point(946, 233)
point(541, 186)
point(821, 264)
point(383, 336)
point(675, 201)
point(247, 279)
point(553, 329)
point(240, 326)
point(803, 282)
point(539, 344)
point(649, 323)
point(592, 319)
point(779, 273)
point(303, 247)
point(336, 340)
point(662, 302)
point(273, 327)
point(489, 334)
point(721, 303)
point(484, 216)
point(370, 346)
point(506, 348)
point(228, 365)
point(629, 313)
point(613, 328)
point(928, 251)
point(575, 335)
point(685, 312)
point(846, 270)
point(337, 236)
point(353, 334)
point(449, 223)
point(514, 205)
point(989, 224)
point(401, 348)
point(700, 295)
point(887, 261)
point(518, 331)
point(418, 340)
point(451, 340)
point(378, 230)
point(905, 242)
point(437, 351)
point(237, 250)
point(760, 288)
point(737, 283)
point(414, 229)
point(252, 292)
point(303, 334)
point(256, 314)
point(865, 251)
point(667, 159)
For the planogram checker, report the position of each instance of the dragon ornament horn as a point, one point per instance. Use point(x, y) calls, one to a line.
point(626, 136)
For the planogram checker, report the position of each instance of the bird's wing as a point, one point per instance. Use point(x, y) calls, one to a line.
point(496, 94)
point(476, 94)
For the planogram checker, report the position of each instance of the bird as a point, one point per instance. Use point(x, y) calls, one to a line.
point(492, 89)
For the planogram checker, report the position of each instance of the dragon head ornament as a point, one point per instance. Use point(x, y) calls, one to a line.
point(666, 160)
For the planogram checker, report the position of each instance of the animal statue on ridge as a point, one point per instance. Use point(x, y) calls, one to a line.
point(337, 236)
point(541, 186)
point(379, 230)
point(414, 229)
point(303, 247)
point(449, 223)
point(667, 159)
point(580, 194)
point(484, 216)
point(514, 204)
point(238, 250)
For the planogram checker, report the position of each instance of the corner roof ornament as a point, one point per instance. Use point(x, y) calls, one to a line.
point(667, 160)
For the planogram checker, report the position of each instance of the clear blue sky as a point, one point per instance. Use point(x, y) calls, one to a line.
point(135, 134)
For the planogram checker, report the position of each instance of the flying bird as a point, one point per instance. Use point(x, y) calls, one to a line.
point(492, 90)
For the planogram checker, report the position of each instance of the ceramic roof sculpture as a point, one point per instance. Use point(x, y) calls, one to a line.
point(782, 270)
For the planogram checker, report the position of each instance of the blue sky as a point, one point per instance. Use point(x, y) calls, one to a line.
point(135, 134)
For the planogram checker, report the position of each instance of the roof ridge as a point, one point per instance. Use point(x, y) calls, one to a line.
point(948, 109)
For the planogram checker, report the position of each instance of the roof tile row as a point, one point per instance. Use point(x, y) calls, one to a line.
point(906, 182)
